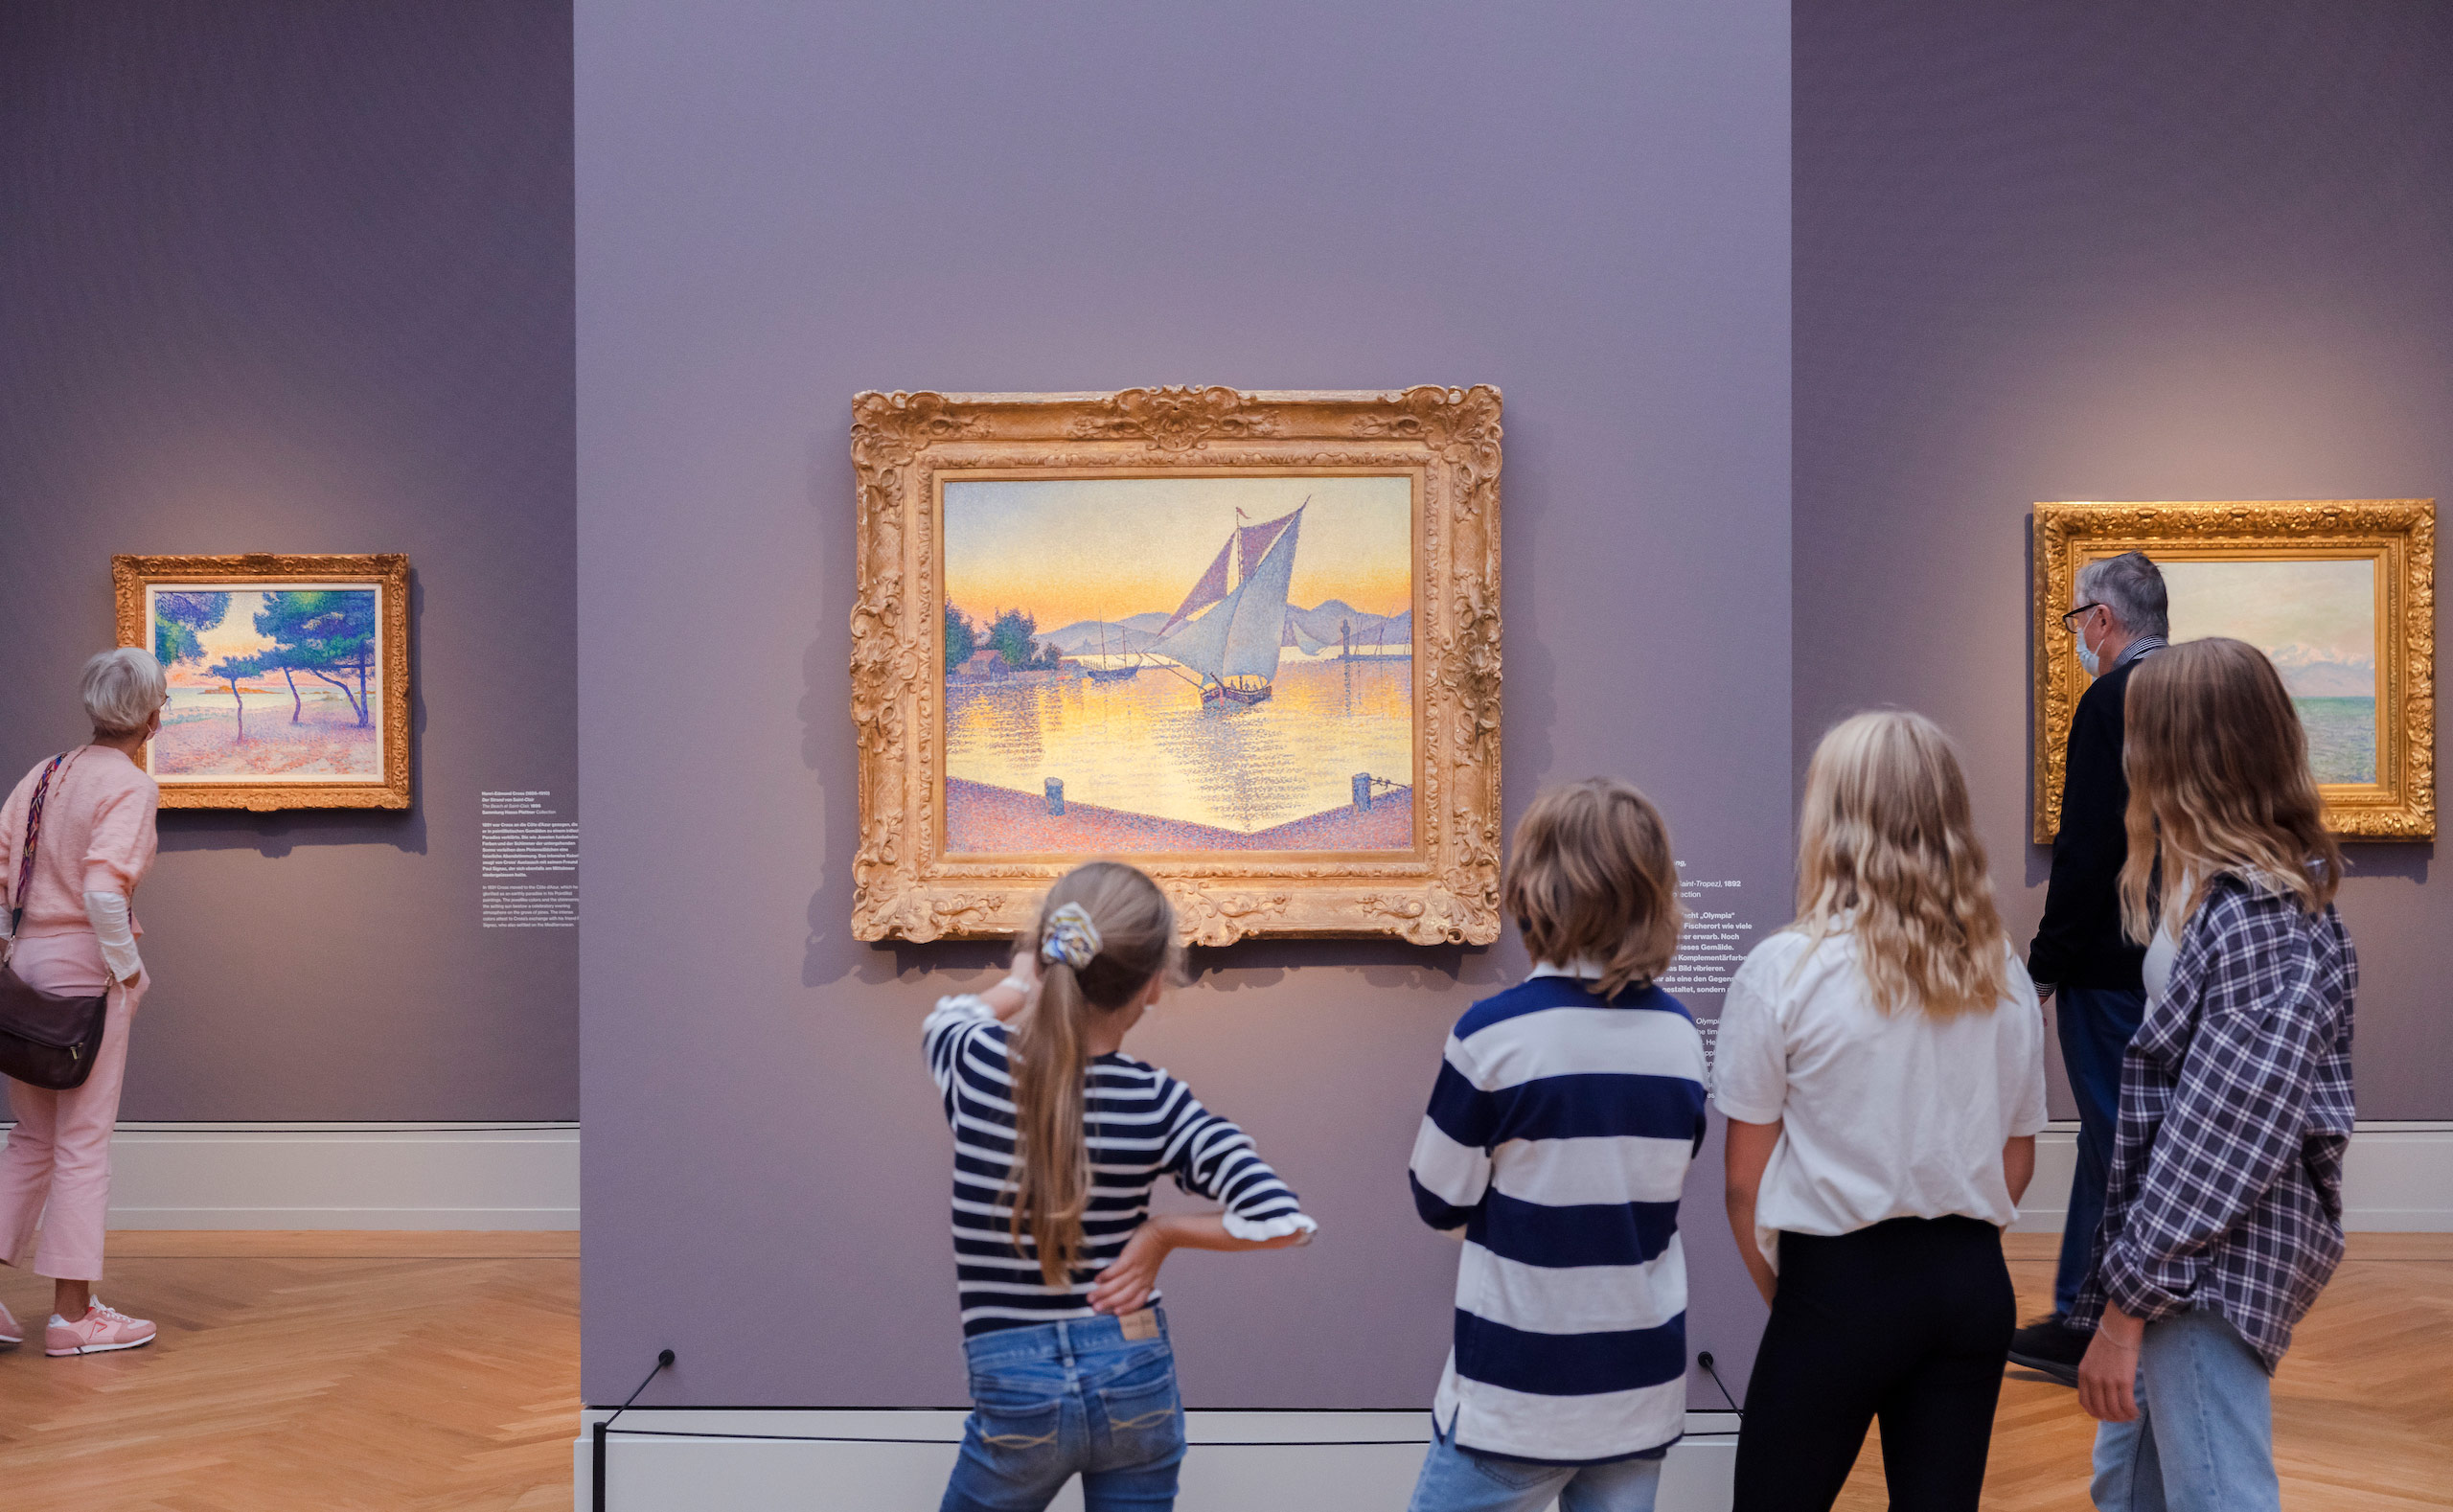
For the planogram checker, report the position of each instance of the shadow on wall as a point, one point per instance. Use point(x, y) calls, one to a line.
point(2406, 862)
point(281, 832)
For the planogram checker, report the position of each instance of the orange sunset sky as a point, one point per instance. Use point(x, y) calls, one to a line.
point(1072, 549)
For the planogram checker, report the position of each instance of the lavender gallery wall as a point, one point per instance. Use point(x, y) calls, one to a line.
point(782, 204)
point(2102, 251)
point(297, 278)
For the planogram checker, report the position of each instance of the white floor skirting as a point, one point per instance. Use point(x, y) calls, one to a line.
point(2397, 1178)
point(769, 1460)
point(345, 1175)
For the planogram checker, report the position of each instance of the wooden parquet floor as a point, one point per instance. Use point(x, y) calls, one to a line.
point(2363, 1405)
point(440, 1373)
point(306, 1371)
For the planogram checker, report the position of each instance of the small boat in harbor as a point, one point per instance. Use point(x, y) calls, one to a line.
point(1113, 673)
point(1241, 604)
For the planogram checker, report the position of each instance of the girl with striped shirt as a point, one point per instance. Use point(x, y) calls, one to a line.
point(1058, 1140)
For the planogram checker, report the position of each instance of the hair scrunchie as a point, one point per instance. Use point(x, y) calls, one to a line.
point(1069, 936)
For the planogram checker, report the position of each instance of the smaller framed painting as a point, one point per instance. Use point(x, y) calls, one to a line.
point(289, 675)
point(2339, 594)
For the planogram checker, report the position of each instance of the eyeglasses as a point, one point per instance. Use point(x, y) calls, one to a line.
point(2083, 608)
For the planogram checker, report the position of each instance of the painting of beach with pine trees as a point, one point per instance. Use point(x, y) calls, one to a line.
point(1178, 665)
point(282, 681)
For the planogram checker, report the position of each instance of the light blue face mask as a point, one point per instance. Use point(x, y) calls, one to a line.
point(2087, 657)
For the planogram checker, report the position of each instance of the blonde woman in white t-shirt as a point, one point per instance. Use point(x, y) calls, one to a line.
point(1881, 1064)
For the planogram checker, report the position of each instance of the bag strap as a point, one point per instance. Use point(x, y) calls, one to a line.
point(34, 837)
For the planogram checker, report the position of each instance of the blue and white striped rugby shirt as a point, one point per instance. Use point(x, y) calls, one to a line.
point(1556, 1146)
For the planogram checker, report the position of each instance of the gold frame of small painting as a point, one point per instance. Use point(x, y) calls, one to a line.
point(1435, 454)
point(2396, 538)
point(367, 645)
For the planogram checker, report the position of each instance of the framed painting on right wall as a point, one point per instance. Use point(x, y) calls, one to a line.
point(2338, 593)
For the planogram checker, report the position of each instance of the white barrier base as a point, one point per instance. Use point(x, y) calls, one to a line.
point(689, 1460)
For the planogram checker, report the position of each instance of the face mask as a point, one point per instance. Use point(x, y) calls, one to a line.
point(2087, 657)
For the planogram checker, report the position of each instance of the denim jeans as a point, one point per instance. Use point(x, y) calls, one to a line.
point(2095, 1026)
point(1457, 1479)
point(1056, 1400)
point(2203, 1439)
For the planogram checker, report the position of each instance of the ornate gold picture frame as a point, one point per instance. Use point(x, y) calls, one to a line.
point(1248, 642)
point(289, 677)
point(2340, 593)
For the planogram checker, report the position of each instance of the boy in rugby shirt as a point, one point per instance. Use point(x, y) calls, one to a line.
point(1560, 1129)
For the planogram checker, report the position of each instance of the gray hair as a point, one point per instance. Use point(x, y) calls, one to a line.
point(2132, 587)
point(121, 689)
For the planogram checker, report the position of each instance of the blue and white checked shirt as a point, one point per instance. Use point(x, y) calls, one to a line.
point(1556, 1146)
point(2236, 1107)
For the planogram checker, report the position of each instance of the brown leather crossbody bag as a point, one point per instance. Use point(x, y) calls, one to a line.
point(47, 1040)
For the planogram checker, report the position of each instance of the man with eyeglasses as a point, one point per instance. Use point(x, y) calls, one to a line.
point(2081, 961)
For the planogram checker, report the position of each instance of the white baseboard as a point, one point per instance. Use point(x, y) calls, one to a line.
point(818, 1460)
point(345, 1175)
point(2397, 1178)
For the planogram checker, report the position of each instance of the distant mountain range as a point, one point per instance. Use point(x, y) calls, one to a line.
point(1322, 627)
point(2309, 674)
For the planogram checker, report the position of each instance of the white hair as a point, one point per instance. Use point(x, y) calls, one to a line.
point(2132, 587)
point(121, 689)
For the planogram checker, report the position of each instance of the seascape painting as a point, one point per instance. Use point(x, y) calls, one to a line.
point(281, 682)
point(2316, 620)
point(1178, 665)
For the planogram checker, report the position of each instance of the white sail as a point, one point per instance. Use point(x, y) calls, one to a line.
point(1258, 630)
point(1202, 645)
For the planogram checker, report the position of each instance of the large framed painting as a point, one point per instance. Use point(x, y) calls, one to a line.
point(1246, 641)
point(289, 677)
point(2339, 594)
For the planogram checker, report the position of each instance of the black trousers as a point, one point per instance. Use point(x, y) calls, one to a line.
point(1907, 1321)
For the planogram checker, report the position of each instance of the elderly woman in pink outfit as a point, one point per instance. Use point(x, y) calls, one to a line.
point(73, 932)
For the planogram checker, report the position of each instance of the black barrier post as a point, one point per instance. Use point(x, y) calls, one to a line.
point(596, 1478)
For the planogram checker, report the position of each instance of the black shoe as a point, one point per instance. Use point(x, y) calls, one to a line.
point(2051, 1346)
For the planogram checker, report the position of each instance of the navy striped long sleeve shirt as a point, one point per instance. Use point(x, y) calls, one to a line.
point(1139, 1123)
point(1556, 1146)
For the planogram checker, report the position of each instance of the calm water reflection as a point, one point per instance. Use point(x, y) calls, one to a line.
point(1146, 744)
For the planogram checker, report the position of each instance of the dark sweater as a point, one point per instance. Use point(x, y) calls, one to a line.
point(2079, 943)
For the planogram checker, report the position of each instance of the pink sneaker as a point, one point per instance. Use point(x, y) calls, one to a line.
point(9, 1332)
point(100, 1331)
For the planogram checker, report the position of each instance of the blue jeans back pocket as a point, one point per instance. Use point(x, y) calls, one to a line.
point(1017, 1441)
point(1143, 1419)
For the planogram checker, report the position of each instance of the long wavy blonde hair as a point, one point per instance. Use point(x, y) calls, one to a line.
point(2219, 782)
point(1886, 851)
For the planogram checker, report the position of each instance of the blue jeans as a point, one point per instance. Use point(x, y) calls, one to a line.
point(2095, 1026)
point(2203, 1440)
point(1055, 1400)
point(1458, 1480)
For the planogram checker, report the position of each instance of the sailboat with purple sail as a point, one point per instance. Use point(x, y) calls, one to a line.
point(1241, 607)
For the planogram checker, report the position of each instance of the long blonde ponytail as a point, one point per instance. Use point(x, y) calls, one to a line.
point(1136, 936)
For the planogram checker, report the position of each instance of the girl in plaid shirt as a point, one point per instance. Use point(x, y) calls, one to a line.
point(2223, 1212)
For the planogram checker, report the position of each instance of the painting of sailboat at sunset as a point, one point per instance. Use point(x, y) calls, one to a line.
point(1178, 665)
